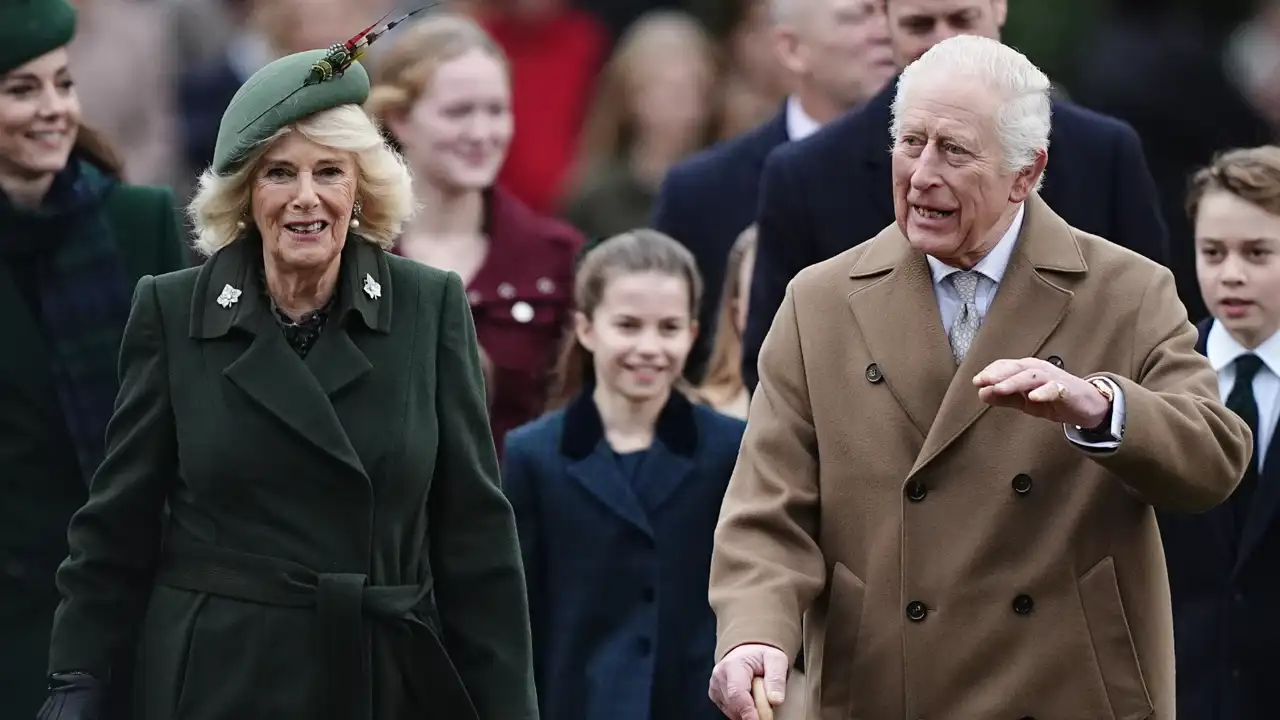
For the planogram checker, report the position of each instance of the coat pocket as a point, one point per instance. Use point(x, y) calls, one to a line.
point(840, 640)
point(1113, 646)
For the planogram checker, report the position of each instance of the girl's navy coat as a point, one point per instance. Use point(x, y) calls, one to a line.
point(617, 569)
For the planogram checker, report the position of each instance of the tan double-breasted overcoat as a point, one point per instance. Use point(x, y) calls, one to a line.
point(957, 561)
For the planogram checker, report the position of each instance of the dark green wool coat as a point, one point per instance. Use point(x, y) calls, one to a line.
point(41, 483)
point(338, 544)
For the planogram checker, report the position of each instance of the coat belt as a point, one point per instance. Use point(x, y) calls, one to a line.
point(342, 600)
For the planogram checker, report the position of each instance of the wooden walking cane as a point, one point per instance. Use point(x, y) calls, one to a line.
point(763, 708)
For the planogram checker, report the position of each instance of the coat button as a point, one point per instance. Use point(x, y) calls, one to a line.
point(644, 646)
point(1022, 483)
point(522, 312)
point(648, 595)
point(874, 374)
point(1023, 604)
point(916, 611)
point(1055, 361)
point(14, 570)
point(916, 491)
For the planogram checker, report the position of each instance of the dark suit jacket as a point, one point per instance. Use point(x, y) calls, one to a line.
point(705, 202)
point(337, 538)
point(1225, 584)
point(42, 481)
point(833, 190)
point(618, 567)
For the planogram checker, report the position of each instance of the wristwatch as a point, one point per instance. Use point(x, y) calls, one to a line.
point(1103, 387)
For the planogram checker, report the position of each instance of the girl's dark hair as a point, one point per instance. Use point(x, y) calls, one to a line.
point(635, 251)
point(93, 146)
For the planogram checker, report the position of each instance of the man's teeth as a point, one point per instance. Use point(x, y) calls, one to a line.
point(925, 212)
point(314, 227)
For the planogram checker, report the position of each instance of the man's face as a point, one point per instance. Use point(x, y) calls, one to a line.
point(952, 196)
point(843, 45)
point(917, 25)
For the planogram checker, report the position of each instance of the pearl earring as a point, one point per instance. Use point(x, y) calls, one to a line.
point(240, 225)
point(355, 221)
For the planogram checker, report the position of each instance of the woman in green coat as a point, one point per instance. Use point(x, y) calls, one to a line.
point(311, 408)
point(74, 240)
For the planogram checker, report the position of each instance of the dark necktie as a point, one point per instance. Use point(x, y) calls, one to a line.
point(1242, 403)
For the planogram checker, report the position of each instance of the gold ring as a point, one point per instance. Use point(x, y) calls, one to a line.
point(1062, 392)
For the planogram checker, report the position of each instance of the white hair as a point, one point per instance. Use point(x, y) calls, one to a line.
point(383, 184)
point(1023, 120)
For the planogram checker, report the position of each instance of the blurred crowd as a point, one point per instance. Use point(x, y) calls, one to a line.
point(608, 95)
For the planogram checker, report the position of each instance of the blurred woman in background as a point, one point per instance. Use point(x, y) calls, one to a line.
point(443, 93)
point(73, 242)
point(723, 388)
point(653, 107)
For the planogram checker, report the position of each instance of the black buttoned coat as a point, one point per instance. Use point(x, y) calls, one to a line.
point(337, 543)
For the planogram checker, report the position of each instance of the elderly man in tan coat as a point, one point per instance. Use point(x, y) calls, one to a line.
point(960, 432)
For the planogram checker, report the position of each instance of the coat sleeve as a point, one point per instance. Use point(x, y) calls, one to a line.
point(114, 538)
point(783, 243)
point(766, 566)
point(475, 553)
point(1139, 224)
point(1182, 450)
point(518, 482)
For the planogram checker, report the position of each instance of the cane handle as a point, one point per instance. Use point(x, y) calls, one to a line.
point(763, 708)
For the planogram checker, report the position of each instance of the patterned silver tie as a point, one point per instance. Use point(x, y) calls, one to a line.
point(965, 327)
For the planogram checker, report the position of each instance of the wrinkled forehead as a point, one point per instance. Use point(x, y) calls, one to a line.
point(297, 150)
point(956, 103)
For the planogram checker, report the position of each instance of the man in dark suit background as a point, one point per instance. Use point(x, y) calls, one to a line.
point(837, 54)
point(832, 191)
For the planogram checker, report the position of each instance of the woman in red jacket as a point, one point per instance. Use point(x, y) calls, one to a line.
point(443, 92)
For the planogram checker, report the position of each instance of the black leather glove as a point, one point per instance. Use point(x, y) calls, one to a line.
point(72, 696)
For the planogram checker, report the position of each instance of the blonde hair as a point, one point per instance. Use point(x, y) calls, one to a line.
point(383, 185)
point(636, 251)
point(610, 129)
point(412, 59)
point(1251, 174)
point(724, 369)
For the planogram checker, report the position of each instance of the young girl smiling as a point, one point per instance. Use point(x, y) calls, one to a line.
point(617, 494)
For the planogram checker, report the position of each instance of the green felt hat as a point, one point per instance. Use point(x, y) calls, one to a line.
point(31, 28)
point(279, 95)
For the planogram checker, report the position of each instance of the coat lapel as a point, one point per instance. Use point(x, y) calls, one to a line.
point(1028, 307)
point(269, 372)
point(670, 462)
point(892, 282)
point(1262, 510)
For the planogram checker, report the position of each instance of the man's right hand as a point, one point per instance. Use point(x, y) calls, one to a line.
point(731, 679)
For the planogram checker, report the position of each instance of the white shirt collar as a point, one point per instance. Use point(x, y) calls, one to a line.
point(994, 263)
point(799, 124)
point(1223, 349)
